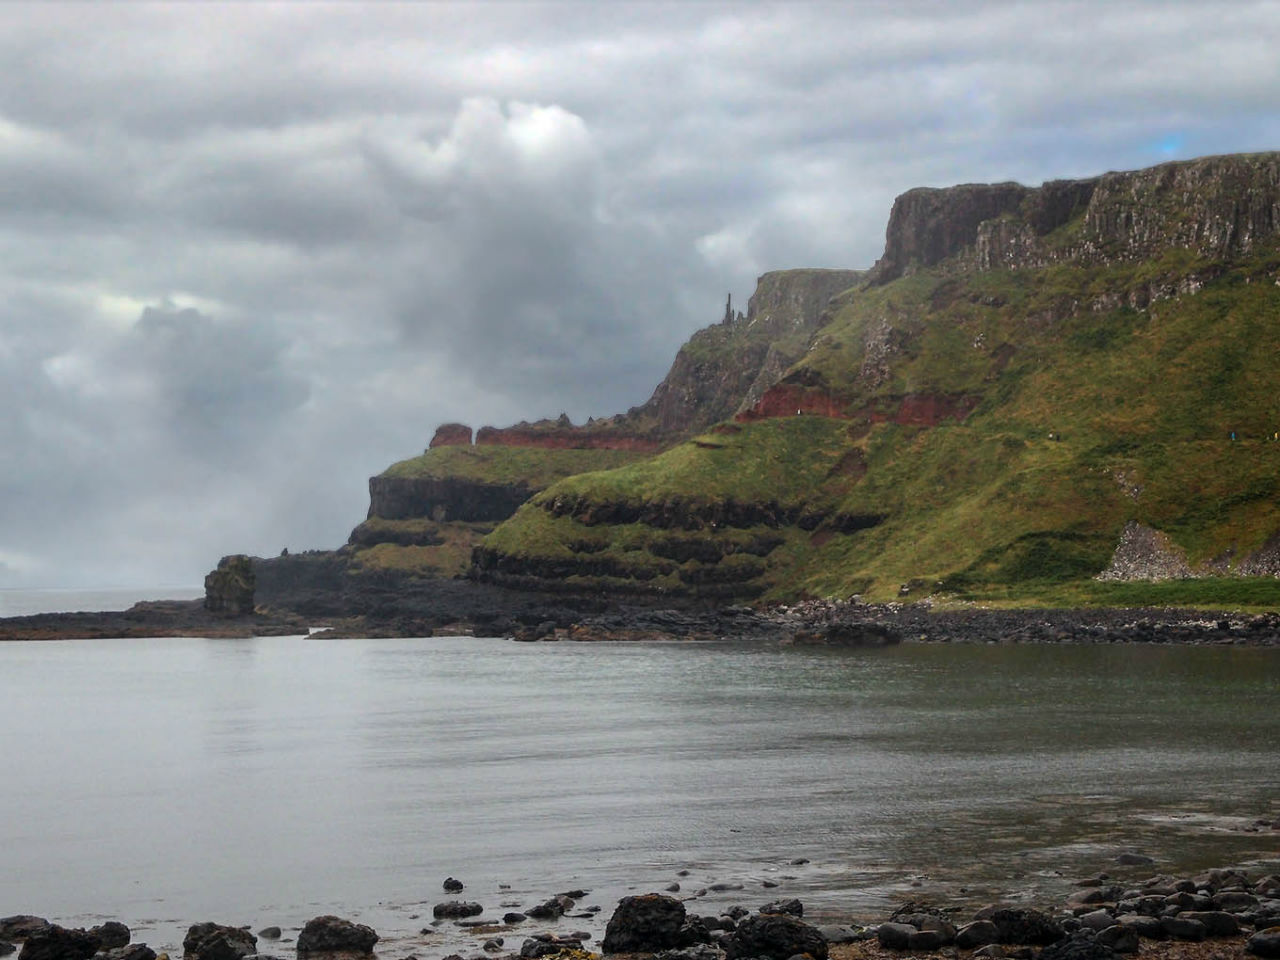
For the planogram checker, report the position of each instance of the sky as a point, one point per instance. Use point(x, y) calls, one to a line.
point(251, 254)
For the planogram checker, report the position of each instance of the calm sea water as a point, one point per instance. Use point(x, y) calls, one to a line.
point(265, 781)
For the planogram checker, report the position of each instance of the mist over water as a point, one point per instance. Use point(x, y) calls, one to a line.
point(265, 781)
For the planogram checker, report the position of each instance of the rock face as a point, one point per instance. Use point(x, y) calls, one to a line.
point(1215, 206)
point(450, 498)
point(329, 934)
point(451, 435)
point(229, 589)
point(555, 435)
point(646, 923)
point(728, 367)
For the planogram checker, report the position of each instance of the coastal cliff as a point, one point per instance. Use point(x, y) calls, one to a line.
point(1038, 394)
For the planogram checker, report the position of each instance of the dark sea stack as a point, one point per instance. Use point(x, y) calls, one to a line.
point(778, 936)
point(645, 924)
point(229, 589)
point(59, 943)
point(213, 941)
point(329, 934)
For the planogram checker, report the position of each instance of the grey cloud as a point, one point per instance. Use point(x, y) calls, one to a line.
point(250, 254)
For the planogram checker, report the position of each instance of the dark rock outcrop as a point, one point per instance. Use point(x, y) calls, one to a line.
point(230, 588)
point(22, 926)
point(110, 935)
point(777, 936)
point(214, 941)
point(330, 934)
point(450, 498)
point(59, 943)
point(646, 923)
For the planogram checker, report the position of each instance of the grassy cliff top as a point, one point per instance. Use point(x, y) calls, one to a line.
point(532, 466)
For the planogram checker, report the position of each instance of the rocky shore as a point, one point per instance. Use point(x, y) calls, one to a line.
point(459, 608)
point(1215, 915)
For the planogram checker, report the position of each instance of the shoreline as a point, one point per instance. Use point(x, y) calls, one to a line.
point(1125, 910)
point(810, 623)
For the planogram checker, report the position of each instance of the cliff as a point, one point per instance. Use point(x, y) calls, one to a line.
point(1217, 207)
point(1037, 395)
point(1027, 376)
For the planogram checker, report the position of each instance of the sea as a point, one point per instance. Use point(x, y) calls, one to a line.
point(25, 603)
point(266, 781)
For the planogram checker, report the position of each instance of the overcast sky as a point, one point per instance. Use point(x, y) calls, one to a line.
point(251, 254)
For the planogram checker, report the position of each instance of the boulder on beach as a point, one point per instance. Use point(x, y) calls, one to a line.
point(451, 885)
point(1024, 926)
point(330, 934)
point(793, 907)
point(214, 941)
point(1265, 943)
point(7, 948)
point(1078, 948)
point(778, 936)
point(59, 943)
point(645, 924)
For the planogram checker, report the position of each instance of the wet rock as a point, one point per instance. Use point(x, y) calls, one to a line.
point(451, 885)
point(737, 912)
point(1180, 928)
point(493, 946)
point(1077, 948)
point(213, 941)
point(768, 884)
point(456, 910)
point(992, 951)
point(7, 948)
point(792, 907)
point(926, 940)
point(979, 933)
point(1097, 920)
point(1234, 901)
point(269, 933)
point(645, 924)
point(1265, 943)
point(130, 951)
point(59, 943)
point(574, 894)
point(895, 936)
point(514, 917)
point(722, 887)
point(22, 926)
point(1025, 926)
point(775, 935)
point(672, 888)
point(834, 933)
point(1119, 938)
point(545, 945)
point(1217, 923)
point(330, 934)
point(1148, 927)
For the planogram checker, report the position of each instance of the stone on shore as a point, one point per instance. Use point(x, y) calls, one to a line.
point(270, 933)
point(1180, 928)
point(6, 948)
point(645, 924)
point(1025, 926)
point(792, 907)
point(1119, 938)
point(979, 933)
point(59, 943)
point(330, 934)
point(1217, 923)
point(778, 936)
point(213, 941)
point(456, 910)
point(451, 885)
point(1265, 943)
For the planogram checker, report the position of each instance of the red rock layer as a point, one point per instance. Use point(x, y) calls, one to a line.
point(565, 439)
point(451, 435)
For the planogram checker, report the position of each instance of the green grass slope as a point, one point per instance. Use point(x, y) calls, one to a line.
point(1100, 395)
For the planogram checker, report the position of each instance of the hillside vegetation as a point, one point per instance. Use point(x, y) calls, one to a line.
point(992, 428)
